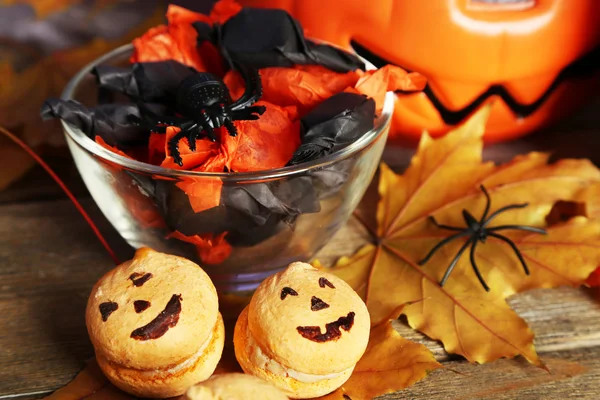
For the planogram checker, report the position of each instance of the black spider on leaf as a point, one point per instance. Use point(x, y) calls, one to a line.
point(203, 104)
point(477, 231)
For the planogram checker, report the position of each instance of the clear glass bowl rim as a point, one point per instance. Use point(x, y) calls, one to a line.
point(91, 146)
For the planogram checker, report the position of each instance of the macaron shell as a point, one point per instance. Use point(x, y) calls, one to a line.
point(290, 386)
point(234, 386)
point(166, 384)
point(274, 321)
point(170, 276)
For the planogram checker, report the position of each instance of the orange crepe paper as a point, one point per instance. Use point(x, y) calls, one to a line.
point(139, 205)
point(267, 143)
point(176, 41)
point(335, 82)
point(156, 148)
point(305, 86)
point(212, 249)
point(301, 86)
point(376, 83)
point(203, 192)
point(223, 10)
point(102, 143)
point(158, 45)
point(192, 160)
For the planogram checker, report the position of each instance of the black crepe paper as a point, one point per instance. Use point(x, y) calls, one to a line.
point(264, 37)
point(251, 213)
point(334, 124)
point(109, 121)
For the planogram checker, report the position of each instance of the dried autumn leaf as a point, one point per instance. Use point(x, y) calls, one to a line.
point(587, 203)
point(90, 383)
point(90, 380)
point(442, 180)
point(390, 363)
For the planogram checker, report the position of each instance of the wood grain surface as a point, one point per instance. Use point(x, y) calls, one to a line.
point(49, 260)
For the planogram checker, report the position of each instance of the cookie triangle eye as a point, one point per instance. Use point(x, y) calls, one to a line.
point(324, 282)
point(107, 308)
point(288, 290)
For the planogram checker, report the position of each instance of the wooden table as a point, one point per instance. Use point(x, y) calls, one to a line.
point(49, 260)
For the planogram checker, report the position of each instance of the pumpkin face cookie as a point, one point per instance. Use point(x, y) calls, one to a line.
point(304, 330)
point(155, 324)
point(234, 386)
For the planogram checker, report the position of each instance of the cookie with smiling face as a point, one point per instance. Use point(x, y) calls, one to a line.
point(304, 331)
point(155, 325)
point(234, 386)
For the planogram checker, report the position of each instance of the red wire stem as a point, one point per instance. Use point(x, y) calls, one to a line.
point(62, 185)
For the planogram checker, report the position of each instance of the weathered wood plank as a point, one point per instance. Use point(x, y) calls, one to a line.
point(36, 185)
point(572, 375)
point(49, 259)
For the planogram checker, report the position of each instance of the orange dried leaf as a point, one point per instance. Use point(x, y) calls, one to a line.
point(390, 363)
point(442, 180)
point(337, 395)
point(590, 198)
point(90, 380)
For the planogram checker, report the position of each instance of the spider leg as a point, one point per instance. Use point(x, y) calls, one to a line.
point(173, 147)
point(455, 261)
point(487, 204)
point(514, 247)
point(192, 136)
point(156, 119)
point(134, 119)
point(253, 86)
point(518, 227)
point(230, 127)
point(249, 113)
point(442, 243)
point(207, 127)
point(501, 210)
point(450, 228)
point(474, 265)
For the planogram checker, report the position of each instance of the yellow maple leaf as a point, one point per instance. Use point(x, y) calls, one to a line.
point(443, 179)
point(390, 363)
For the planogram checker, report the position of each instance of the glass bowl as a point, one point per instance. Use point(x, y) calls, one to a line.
point(278, 216)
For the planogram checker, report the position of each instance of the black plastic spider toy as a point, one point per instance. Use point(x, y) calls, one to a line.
point(204, 103)
point(477, 231)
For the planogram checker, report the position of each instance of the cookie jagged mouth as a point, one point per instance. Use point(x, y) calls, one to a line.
point(332, 329)
point(167, 318)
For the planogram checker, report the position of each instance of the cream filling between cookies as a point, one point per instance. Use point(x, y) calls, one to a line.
point(184, 364)
point(261, 360)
